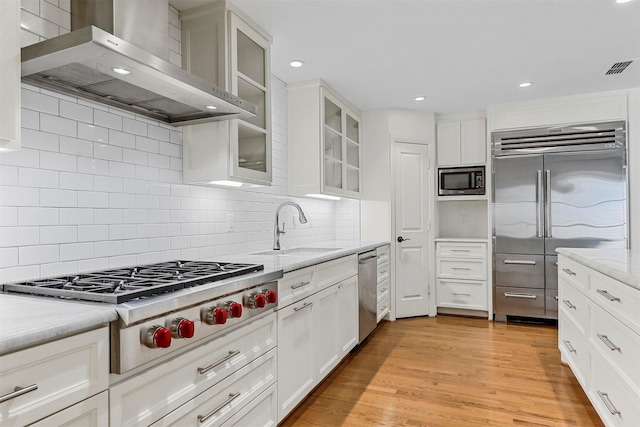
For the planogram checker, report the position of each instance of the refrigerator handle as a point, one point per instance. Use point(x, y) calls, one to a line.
point(539, 198)
point(547, 203)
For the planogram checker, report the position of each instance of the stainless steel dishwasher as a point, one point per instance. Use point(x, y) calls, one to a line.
point(367, 293)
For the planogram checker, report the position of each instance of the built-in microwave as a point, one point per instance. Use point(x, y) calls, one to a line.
point(461, 181)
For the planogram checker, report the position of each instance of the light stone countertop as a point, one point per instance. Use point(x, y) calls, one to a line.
point(620, 264)
point(26, 321)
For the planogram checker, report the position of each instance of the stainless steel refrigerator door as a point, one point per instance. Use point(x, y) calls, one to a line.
point(585, 200)
point(518, 222)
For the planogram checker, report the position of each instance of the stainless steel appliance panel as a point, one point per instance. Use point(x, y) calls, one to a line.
point(518, 222)
point(551, 303)
point(551, 271)
point(519, 302)
point(519, 271)
point(367, 293)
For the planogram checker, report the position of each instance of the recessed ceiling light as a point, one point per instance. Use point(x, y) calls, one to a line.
point(296, 63)
point(122, 71)
point(419, 98)
point(525, 84)
point(211, 107)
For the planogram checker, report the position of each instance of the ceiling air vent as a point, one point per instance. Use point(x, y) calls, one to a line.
point(618, 67)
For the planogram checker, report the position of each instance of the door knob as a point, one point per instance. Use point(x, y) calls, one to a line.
point(402, 239)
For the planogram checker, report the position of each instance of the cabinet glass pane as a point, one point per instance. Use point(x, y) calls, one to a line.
point(332, 144)
point(332, 173)
point(251, 58)
point(332, 115)
point(353, 179)
point(256, 96)
point(353, 129)
point(353, 157)
point(252, 149)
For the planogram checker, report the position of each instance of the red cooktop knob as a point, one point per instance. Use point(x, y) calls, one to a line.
point(216, 316)
point(235, 309)
point(184, 328)
point(256, 300)
point(158, 337)
point(272, 296)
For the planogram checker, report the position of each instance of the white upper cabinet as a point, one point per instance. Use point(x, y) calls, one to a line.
point(10, 81)
point(324, 143)
point(225, 48)
point(461, 143)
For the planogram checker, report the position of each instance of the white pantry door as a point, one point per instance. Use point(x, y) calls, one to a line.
point(411, 170)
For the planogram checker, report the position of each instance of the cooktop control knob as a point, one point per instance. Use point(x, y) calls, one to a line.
point(182, 328)
point(271, 295)
point(157, 337)
point(256, 300)
point(235, 309)
point(216, 316)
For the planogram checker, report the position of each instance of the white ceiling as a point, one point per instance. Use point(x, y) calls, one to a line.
point(461, 54)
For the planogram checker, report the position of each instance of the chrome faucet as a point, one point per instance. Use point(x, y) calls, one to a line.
point(276, 229)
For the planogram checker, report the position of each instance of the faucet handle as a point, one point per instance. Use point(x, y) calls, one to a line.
point(282, 231)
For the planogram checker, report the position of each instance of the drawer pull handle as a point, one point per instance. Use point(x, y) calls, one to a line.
point(568, 303)
point(555, 263)
point(555, 297)
point(567, 344)
point(383, 271)
point(607, 295)
point(299, 285)
point(384, 307)
point(18, 391)
point(516, 295)
point(204, 418)
point(461, 268)
point(219, 362)
point(460, 250)
point(461, 294)
point(383, 290)
point(519, 262)
point(305, 305)
point(608, 342)
point(608, 403)
point(569, 272)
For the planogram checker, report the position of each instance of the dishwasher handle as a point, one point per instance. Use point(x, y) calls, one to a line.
point(367, 260)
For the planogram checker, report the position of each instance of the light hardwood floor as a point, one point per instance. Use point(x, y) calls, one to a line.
point(450, 371)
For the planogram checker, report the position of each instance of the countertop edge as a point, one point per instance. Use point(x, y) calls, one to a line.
point(593, 258)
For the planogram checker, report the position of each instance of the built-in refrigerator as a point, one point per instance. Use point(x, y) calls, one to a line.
point(553, 187)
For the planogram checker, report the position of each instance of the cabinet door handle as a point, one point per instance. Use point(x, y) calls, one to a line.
point(568, 303)
point(299, 285)
point(383, 271)
point(519, 262)
point(460, 250)
point(569, 272)
point(608, 403)
point(18, 391)
point(461, 268)
point(516, 295)
point(547, 204)
point(607, 295)
point(204, 418)
point(461, 294)
point(567, 344)
point(555, 297)
point(383, 290)
point(305, 305)
point(608, 342)
point(219, 362)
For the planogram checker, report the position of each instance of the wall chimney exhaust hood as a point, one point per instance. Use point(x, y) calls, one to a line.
point(92, 63)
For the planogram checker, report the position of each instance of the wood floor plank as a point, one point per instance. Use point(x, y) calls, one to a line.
point(450, 371)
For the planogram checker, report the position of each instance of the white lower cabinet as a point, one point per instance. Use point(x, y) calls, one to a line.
point(384, 287)
point(261, 412)
point(92, 412)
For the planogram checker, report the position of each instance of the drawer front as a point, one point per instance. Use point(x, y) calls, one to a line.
point(461, 250)
point(92, 412)
point(383, 271)
point(383, 289)
point(618, 344)
point(149, 396)
point(296, 285)
point(621, 300)
point(616, 404)
point(384, 307)
point(572, 271)
point(383, 253)
point(575, 305)
point(574, 348)
point(332, 272)
point(219, 403)
point(458, 294)
point(519, 271)
point(519, 302)
point(65, 372)
point(261, 412)
point(551, 303)
point(472, 269)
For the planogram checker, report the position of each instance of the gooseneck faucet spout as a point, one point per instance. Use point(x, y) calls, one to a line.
point(276, 229)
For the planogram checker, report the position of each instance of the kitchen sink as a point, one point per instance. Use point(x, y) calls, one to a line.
point(297, 251)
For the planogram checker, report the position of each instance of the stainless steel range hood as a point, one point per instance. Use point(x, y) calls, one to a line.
point(88, 62)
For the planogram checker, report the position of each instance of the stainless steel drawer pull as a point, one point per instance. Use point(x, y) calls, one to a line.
point(569, 272)
point(299, 285)
point(305, 305)
point(219, 362)
point(567, 344)
point(568, 303)
point(461, 294)
point(555, 297)
point(204, 418)
point(519, 262)
point(461, 268)
point(18, 391)
point(608, 403)
point(607, 295)
point(460, 250)
point(515, 295)
point(555, 263)
point(384, 307)
point(608, 342)
point(383, 271)
point(383, 290)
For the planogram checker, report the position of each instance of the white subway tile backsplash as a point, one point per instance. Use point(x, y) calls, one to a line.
point(56, 15)
point(93, 166)
point(170, 149)
point(92, 132)
point(32, 6)
point(39, 140)
point(158, 133)
point(30, 119)
point(39, 102)
point(134, 126)
point(134, 156)
point(75, 146)
point(108, 248)
point(155, 216)
point(159, 161)
point(76, 251)
point(41, 254)
point(9, 176)
point(19, 236)
point(122, 139)
point(148, 258)
point(107, 216)
point(58, 198)
point(122, 170)
point(107, 152)
point(122, 261)
point(108, 184)
point(148, 230)
point(9, 216)
point(58, 161)
point(58, 234)
point(135, 246)
point(58, 125)
point(75, 111)
point(29, 177)
point(38, 216)
point(59, 269)
point(108, 120)
point(19, 196)
point(147, 173)
point(25, 157)
point(8, 257)
point(70, 216)
point(172, 176)
point(135, 216)
point(135, 186)
point(93, 233)
point(122, 231)
point(93, 199)
point(76, 181)
point(147, 144)
point(94, 264)
point(147, 201)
